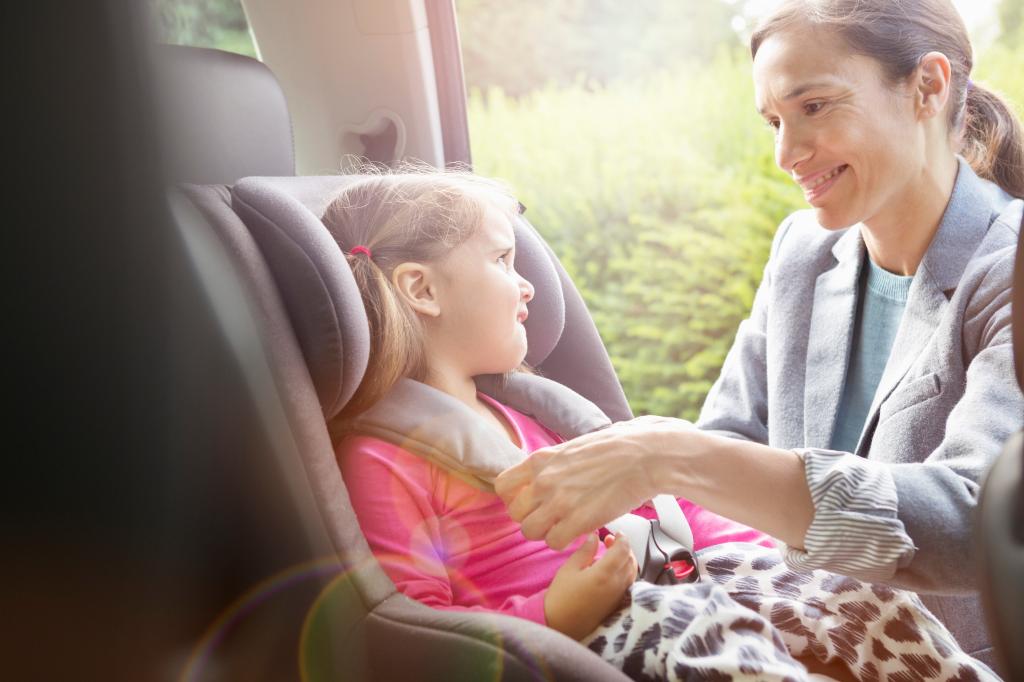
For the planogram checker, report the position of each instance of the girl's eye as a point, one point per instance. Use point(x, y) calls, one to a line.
point(773, 125)
point(504, 258)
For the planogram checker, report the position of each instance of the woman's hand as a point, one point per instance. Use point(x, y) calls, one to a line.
point(566, 490)
point(584, 592)
point(559, 493)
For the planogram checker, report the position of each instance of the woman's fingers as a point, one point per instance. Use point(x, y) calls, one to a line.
point(538, 523)
point(521, 504)
point(558, 534)
point(511, 482)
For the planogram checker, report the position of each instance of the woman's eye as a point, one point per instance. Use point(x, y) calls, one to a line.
point(773, 125)
point(814, 107)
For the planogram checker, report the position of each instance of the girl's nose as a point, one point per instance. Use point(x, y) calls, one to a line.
point(526, 288)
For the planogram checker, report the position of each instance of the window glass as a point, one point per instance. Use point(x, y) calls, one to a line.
point(219, 24)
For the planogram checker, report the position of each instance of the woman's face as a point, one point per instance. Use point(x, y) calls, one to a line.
point(849, 138)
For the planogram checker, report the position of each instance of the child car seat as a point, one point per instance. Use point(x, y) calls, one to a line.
point(313, 329)
point(325, 312)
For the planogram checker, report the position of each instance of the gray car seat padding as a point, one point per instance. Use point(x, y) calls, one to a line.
point(286, 211)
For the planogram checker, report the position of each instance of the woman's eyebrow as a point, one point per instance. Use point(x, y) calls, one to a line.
point(806, 87)
point(800, 90)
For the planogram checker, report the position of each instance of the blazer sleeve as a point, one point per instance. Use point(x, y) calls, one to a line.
point(737, 405)
point(866, 512)
point(393, 503)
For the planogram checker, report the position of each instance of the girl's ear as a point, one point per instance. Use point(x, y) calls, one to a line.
point(932, 86)
point(416, 287)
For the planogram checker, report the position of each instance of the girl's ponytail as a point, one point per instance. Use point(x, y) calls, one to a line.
point(395, 338)
point(993, 140)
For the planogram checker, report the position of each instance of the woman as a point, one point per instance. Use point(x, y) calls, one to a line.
point(873, 382)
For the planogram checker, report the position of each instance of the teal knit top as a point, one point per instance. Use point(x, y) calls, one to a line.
point(881, 301)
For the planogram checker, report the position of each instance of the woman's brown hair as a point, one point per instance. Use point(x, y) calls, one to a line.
point(897, 33)
point(412, 215)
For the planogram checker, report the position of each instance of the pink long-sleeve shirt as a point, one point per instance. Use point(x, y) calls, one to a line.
point(453, 546)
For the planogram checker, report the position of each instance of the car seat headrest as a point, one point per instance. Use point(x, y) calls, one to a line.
point(225, 112)
point(320, 293)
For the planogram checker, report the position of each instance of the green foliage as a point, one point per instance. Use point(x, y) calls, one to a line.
point(1001, 68)
point(1011, 23)
point(661, 198)
point(203, 23)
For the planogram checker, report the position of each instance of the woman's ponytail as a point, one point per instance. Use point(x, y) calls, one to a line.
point(993, 140)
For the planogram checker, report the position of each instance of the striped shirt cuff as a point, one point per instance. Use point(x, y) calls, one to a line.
point(855, 530)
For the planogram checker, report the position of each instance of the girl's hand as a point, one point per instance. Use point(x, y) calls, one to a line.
point(585, 592)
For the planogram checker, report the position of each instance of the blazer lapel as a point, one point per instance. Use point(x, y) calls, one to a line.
point(828, 346)
point(963, 226)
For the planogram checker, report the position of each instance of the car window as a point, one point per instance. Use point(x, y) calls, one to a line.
point(219, 24)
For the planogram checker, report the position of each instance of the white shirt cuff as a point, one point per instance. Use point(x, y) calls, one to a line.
point(855, 530)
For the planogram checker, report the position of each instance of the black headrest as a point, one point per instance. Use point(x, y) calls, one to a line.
point(225, 112)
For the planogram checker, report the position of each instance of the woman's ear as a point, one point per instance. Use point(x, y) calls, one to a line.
point(932, 84)
point(415, 285)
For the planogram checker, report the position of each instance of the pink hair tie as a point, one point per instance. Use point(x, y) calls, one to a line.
point(361, 249)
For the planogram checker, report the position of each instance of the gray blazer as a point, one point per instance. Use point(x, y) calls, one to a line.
point(901, 508)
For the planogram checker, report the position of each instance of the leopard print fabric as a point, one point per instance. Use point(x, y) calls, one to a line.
point(751, 615)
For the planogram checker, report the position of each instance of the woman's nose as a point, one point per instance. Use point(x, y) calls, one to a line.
point(791, 148)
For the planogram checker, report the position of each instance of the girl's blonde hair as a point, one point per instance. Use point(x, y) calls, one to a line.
point(408, 215)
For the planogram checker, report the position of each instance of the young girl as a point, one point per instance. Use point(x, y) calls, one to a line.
point(433, 256)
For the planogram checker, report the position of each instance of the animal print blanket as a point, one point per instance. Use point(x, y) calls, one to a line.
point(751, 615)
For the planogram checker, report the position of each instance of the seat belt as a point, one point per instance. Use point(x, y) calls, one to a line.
point(663, 547)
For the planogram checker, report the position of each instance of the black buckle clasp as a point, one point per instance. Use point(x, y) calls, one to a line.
point(667, 562)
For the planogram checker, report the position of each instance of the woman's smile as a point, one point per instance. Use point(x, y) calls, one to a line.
point(815, 186)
